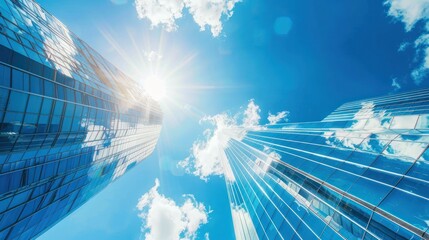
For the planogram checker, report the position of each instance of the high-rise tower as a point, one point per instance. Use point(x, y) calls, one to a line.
point(70, 122)
point(360, 173)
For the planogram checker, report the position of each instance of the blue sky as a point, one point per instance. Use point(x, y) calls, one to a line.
point(305, 57)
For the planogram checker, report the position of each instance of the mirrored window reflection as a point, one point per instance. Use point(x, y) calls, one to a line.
point(62, 139)
point(407, 149)
point(344, 173)
point(386, 229)
point(420, 170)
point(404, 122)
point(423, 122)
point(414, 195)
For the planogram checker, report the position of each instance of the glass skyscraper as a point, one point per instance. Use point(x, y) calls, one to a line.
point(360, 173)
point(70, 122)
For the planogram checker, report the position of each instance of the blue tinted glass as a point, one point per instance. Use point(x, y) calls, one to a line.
point(30, 122)
point(417, 210)
point(70, 95)
point(4, 95)
point(20, 198)
point(36, 85)
point(78, 97)
point(381, 176)
point(4, 203)
point(17, 80)
point(61, 92)
point(66, 124)
point(17, 101)
point(4, 41)
point(69, 109)
point(34, 104)
point(385, 229)
point(58, 107)
point(46, 106)
point(42, 123)
point(328, 233)
point(4, 76)
point(49, 88)
point(54, 125)
point(421, 168)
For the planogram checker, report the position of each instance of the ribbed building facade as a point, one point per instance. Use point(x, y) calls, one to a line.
point(70, 122)
point(360, 173)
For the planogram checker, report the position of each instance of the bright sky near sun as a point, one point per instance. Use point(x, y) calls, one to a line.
point(156, 88)
point(216, 64)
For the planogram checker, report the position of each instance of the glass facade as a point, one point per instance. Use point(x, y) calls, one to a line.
point(360, 173)
point(70, 122)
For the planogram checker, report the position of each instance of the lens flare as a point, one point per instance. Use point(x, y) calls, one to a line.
point(155, 87)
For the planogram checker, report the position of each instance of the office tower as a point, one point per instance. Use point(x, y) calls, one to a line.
point(70, 122)
point(360, 173)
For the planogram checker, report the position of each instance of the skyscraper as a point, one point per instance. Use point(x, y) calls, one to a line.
point(70, 122)
point(360, 173)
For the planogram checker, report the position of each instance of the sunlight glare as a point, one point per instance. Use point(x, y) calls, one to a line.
point(156, 88)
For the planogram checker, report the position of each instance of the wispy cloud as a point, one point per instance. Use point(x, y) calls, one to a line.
point(164, 219)
point(396, 86)
point(119, 2)
point(410, 12)
point(152, 56)
point(279, 117)
point(403, 46)
point(207, 156)
point(206, 13)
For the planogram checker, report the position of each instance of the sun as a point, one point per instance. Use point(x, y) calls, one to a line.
point(155, 87)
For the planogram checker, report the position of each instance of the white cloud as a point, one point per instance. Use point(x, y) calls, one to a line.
point(251, 115)
point(276, 118)
point(210, 12)
point(164, 219)
point(206, 13)
point(410, 12)
point(160, 12)
point(396, 86)
point(207, 156)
